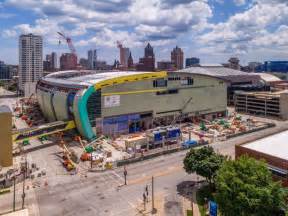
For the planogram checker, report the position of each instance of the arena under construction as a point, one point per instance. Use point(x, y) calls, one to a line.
point(114, 103)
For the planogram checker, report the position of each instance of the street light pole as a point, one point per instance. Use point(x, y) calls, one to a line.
point(154, 210)
point(125, 175)
point(23, 190)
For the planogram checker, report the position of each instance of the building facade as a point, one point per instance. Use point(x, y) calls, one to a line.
point(6, 71)
point(130, 61)
point(84, 63)
point(50, 63)
point(92, 59)
point(268, 104)
point(165, 65)
point(147, 63)
point(68, 61)
point(273, 150)
point(192, 62)
point(30, 59)
point(276, 66)
point(124, 53)
point(177, 57)
point(114, 103)
point(54, 61)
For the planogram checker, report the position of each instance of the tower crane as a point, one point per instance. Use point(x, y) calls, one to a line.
point(69, 42)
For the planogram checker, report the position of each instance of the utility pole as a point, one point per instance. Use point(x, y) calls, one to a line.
point(154, 210)
point(14, 191)
point(125, 175)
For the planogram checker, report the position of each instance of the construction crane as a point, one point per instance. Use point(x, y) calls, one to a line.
point(179, 117)
point(69, 42)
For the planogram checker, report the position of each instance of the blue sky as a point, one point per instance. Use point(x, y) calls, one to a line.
point(214, 30)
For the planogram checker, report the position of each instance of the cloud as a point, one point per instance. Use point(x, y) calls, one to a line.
point(107, 37)
point(241, 32)
point(9, 33)
point(155, 20)
point(6, 15)
point(240, 2)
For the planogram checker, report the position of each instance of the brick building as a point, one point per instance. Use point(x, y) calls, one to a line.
point(273, 150)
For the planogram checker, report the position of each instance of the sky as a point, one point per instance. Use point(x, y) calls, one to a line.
point(213, 30)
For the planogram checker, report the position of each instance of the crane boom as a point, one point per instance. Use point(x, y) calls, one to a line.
point(69, 42)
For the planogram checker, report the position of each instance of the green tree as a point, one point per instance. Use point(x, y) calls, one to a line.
point(204, 161)
point(244, 187)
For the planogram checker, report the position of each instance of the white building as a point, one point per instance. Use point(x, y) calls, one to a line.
point(30, 60)
point(92, 59)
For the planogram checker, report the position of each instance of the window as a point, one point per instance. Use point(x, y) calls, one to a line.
point(159, 83)
point(170, 91)
point(174, 78)
point(187, 81)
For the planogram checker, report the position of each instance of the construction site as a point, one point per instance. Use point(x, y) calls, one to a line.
point(78, 128)
point(77, 154)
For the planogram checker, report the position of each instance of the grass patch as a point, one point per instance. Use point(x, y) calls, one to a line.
point(201, 194)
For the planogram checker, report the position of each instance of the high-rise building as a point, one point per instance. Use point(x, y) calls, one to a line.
point(54, 62)
point(124, 55)
point(50, 63)
point(130, 61)
point(147, 63)
point(6, 71)
point(149, 52)
point(177, 57)
point(68, 61)
point(92, 59)
point(30, 59)
point(192, 62)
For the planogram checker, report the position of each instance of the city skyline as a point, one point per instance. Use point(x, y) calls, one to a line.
point(213, 30)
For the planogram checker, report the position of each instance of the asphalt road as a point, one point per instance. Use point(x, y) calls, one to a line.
point(105, 193)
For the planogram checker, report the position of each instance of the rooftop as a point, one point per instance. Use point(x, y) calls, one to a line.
point(263, 93)
point(275, 145)
point(268, 77)
point(85, 78)
point(228, 74)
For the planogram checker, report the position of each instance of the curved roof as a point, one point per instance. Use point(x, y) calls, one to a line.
point(227, 74)
point(86, 77)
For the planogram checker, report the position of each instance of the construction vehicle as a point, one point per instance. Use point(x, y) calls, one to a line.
point(68, 158)
point(25, 142)
point(86, 155)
